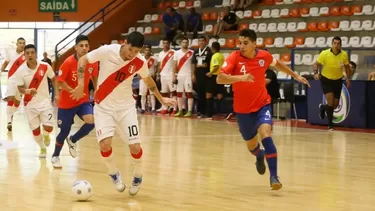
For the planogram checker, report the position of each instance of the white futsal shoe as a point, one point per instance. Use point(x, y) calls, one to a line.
point(136, 185)
point(116, 178)
point(56, 162)
point(72, 147)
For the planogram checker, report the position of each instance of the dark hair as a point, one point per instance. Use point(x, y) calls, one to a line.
point(184, 38)
point(249, 34)
point(354, 64)
point(166, 39)
point(136, 39)
point(20, 38)
point(216, 46)
point(336, 38)
point(147, 46)
point(82, 37)
point(29, 46)
point(202, 37)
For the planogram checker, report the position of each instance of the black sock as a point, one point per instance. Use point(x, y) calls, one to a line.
point(219, 101)
point(329, 111)
point(209, 106)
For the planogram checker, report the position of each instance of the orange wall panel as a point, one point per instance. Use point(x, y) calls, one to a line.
point(28, 10)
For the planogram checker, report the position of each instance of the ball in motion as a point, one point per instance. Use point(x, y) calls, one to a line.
point(82, 190)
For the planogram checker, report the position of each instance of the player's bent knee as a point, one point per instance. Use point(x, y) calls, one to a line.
point(136, 150)
point(265, 130)
point(36, 132)
point(105, 144)
point(88, 119)
point(48, 128)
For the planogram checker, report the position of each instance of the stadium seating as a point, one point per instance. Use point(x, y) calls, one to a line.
point(281, 25)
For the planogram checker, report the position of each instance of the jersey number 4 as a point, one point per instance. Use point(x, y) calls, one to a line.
point(243, 69)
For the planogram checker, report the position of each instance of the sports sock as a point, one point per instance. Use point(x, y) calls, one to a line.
point(82, 132)
point(153, 102)
point(11, 109)
point(329, 111)
point(271, 155)
point(209, 106)
point(180, 103)
point(39, 141)
point(143, 102)
point(257, 152)
point(137, 161)
point(109, 162)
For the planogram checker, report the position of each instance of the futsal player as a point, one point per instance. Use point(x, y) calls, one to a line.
point(15, 59)
point(245, 69)
point(165, 70)
point(68, 107)
point(114, 103)
point(182, 76)
point(152, 64)
point(31, 79)
point(333, 61)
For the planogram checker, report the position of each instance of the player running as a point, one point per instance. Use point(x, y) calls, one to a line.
point(245, 69)
point(67, 107)
point(114, 103)
point(31, 79)
point(15, 59)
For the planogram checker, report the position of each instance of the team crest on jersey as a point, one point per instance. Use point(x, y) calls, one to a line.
point(90, 70)
point(261, 63)
point(131, 69)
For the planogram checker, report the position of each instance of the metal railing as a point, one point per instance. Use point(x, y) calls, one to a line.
point(91, 22)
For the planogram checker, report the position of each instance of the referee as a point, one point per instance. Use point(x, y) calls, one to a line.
point(333, 60)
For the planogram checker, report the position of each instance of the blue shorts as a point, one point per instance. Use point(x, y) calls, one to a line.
point(66, 116)
point(249, 123)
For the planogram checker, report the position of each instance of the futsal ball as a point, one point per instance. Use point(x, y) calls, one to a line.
point(82, 190)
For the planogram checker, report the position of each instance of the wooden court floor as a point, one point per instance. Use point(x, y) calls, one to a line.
point(195, 165)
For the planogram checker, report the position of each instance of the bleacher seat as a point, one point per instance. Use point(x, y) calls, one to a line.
point(356, 25)
point(320, 42)
point(355, 42)
point(368, 10)
point(297, 59)
point(282, 27)
point(272, 27)
point(368, 25)
point(275, 13)
point(247, 14)
point(225, 3)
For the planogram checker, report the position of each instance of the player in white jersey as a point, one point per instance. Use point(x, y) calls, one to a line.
point(31, 79)
point(165, 69)
point(114, 103)
point(182, 75)
point(13, 59)
point(152, 63)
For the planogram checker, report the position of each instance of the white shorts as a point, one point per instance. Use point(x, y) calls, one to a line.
point(143, 88)
point(184, 83)
point(166, 84)
point(125, 122)
point(12, 90)
point(40, 116)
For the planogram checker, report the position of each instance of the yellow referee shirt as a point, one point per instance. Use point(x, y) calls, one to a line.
point(216, 60)
point(333, 64)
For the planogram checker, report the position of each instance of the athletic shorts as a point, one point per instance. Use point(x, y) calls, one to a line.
point(213, 87)
point(249, 123)
point(40, 116)
point(184, 83)
point(166, 84)
point(143, 88)
point(66, 116)
point(12, 90)
point(331, 86)
point(125, 122)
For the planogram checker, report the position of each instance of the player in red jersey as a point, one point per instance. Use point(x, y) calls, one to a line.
point(245, 69)
point(114, 102)
point(68, 107)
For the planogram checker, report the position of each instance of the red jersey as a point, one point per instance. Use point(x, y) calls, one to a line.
point(68, 73)
point(249, 96)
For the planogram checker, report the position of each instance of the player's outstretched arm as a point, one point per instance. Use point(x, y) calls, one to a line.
point(151, 85)
point(279, 66)
point(224, 78)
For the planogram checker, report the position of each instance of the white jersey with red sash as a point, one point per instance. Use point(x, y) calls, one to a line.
point(152, 64)
point(184, 61)
point(35, 78)
point(115, 77)
point(166, 62)
point(15, 61)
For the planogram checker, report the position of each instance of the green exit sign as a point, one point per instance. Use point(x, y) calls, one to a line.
point(57, 5)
